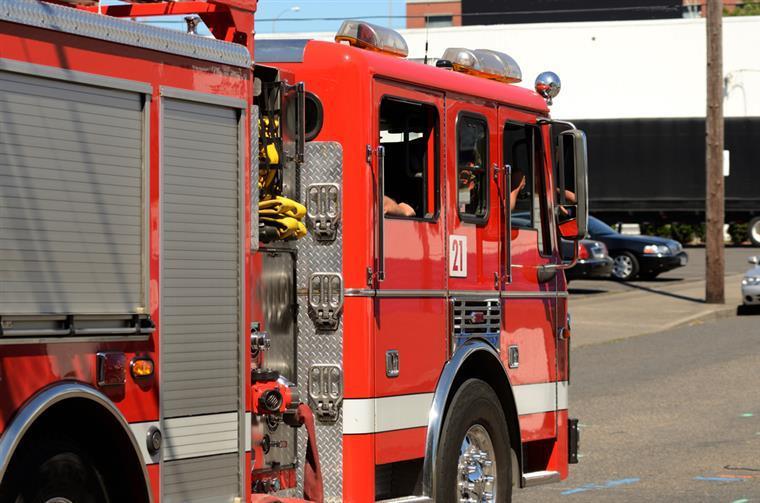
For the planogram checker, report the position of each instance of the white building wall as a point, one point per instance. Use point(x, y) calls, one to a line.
point(621, 69)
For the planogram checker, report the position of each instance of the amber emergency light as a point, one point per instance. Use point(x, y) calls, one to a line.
point(485, 63)
point(372, 37)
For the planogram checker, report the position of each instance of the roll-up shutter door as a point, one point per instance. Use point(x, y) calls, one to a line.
point(71, 185)
point(200, 317)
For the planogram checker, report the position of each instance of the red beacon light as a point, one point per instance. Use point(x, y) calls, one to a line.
point(372, 37)
point(484, 63)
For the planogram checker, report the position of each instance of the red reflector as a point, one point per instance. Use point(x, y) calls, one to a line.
point(112, 369)
point(478, 317)
point(582, 252)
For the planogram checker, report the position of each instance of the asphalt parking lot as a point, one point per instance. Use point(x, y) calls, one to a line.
point(667, 390)
point(667, 417)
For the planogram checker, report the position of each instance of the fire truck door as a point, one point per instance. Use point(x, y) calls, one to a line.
point(410, 304)
point(474, 217)
point(529, 300)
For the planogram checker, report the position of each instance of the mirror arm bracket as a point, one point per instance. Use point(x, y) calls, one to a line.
point(548, 120)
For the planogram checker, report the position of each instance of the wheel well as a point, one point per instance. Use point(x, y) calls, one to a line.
point(484, 366)
point(100, 435)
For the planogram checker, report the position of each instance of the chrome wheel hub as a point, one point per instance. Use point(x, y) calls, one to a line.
point(623, 266)
point(755, 231)
point(476, 470)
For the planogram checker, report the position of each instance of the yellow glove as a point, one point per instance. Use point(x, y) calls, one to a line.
point(282, 206)
point(286, 227)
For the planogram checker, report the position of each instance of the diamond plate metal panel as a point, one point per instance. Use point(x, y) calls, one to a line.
point(323, 164)
point(77, 22)
point(254, 177)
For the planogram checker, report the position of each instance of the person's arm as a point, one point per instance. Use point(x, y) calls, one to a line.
point(391, 207)
point(513, 195)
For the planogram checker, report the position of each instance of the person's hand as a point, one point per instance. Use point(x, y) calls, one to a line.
point(406, 210)
point(522, 184)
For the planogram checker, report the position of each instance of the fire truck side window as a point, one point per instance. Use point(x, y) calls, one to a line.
point(523, 152)
point(408, 132)
point(472, 167)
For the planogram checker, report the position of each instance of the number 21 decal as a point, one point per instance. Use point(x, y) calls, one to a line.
point(458, 256)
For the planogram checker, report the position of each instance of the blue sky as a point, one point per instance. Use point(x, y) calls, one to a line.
point(306, 15)
point(345, 9)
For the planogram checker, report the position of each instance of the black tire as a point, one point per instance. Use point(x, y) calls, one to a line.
point(754, 231)
point(61, 470)
point(474, 405)
point(626, 266)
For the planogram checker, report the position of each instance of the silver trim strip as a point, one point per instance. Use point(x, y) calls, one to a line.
point(76, 22)
point(92, 79)
point(422, 294)
point(207, 98)
point(388, 413)
point(16, 341)
point(534, 295)
point(50, 396)
point(540, 397)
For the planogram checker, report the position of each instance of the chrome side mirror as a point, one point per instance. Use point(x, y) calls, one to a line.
point(572, 185)
point(754, 260)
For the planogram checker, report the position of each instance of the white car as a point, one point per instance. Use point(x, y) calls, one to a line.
point(751, 284)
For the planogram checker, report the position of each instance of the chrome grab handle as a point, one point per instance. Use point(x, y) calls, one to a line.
point(380, 238)
point(508, 204)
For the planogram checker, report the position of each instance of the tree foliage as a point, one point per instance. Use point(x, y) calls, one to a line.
point(748, 8)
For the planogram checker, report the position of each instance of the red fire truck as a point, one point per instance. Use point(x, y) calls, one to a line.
point(424, 314)
point(161, 339)
point(124, 209)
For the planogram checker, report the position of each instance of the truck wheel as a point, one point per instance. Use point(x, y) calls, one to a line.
point(754, 231)
point(58, 474)
point(474, 462)
point(625, 266)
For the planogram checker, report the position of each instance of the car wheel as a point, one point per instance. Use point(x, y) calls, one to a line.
point(625, 266)
point(58, 474)
point(754, 231)
point(474, 460)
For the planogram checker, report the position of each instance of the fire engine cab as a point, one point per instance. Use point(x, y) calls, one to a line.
point(423, 312)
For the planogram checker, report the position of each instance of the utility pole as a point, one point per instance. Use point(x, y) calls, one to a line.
point(715, 209)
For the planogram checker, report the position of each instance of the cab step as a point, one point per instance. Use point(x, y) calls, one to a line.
point(540, 478)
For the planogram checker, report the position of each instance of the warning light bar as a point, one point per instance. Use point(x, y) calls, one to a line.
point(484, 63)
point(372, 37)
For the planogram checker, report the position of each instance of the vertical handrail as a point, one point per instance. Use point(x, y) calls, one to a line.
point(380, 238)
point(508, 174)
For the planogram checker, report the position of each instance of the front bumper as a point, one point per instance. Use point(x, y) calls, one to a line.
point(591, 268)
point(658, 264)
point(751, 295)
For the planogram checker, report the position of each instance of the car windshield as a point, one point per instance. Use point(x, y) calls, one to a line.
point(598, 228)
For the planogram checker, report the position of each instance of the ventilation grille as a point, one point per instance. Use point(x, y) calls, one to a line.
point(477, 318)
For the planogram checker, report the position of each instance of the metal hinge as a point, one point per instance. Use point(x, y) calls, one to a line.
point(323, 210)
point(326, 391)
point(326, 299)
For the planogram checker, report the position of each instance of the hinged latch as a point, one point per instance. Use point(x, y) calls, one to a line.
point(323, 210)
point(326, 299)
point(326, 391)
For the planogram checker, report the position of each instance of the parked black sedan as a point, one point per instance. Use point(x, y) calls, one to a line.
point(637, 256)
point(593, 260)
